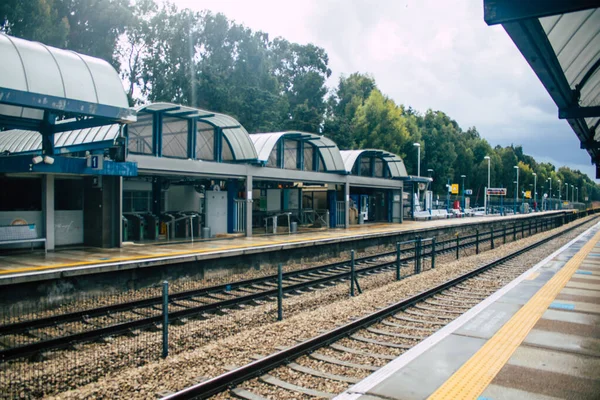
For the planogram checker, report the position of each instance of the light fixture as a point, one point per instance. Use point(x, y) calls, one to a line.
point(37, 159)
point(48, 160)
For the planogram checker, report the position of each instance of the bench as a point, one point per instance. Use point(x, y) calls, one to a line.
point(425, 215)
point(441, 214)
point(10, 234)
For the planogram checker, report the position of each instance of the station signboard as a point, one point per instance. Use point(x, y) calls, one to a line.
point(496, 191)
point(528, 194)
point(454, 188)
point(468, 192)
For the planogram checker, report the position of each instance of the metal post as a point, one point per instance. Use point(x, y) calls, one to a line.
point(504, 234)
point(515, 232)
point(476, 241)
point(165, 324)
point(279, 292)
point(492, 237)
point(352, 273)
point(529, 227)
point(192, 228)
point(457, 246)
point(397, 261)
point(433, 253)
point(418, 254)
point(522, 230)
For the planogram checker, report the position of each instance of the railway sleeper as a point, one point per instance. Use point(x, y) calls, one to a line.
point(337, 361)
point(319, 374)
point(273, 381)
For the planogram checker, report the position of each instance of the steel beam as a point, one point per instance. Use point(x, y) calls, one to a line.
point(579, 112)
point(57, 104)
point(503, 11)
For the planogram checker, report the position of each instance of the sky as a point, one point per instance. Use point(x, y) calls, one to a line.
point(427, 54)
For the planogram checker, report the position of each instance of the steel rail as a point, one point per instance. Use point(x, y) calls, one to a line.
point(263, 365)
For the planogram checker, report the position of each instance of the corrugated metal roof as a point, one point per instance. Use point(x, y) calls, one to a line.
point(265, 142)
point(234, 132)
point(37, 68)
point(575, 38)
point(20, 141)
point(394, 162)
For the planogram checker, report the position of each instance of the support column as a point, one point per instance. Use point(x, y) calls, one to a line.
point(157, 195)
point(249, 202)
point(347, 205)
point(232, 191)
point(48, 209)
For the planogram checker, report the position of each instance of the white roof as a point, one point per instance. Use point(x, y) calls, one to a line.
point(37, 68)
point(395, 163)
point(234, 132)
point(20, 141)
point(265, 142)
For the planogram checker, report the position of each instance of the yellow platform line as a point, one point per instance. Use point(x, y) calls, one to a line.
point(478, 372)
point(188, 252)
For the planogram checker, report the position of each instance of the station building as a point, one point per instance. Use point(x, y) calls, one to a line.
point(79, 167)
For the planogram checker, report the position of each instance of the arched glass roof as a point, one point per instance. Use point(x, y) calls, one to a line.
point(394, 162)
point(234, 132)
point(265, 142)
point(31, 67)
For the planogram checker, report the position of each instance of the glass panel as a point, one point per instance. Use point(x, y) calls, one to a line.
point(321, 165)
point(140, 134)
point(379, 167)
point(227, 155)
point(290, 154)
point(365, 166)
point(20, 194)
point(308, 156)
point(205, 142)
point(174, 137)
point(272, 161)
point(137, 201)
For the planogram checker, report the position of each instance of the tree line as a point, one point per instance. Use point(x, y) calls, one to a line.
point(205, 60)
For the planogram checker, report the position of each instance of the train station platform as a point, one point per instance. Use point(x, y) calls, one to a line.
point(537, 338)
point(29, 266)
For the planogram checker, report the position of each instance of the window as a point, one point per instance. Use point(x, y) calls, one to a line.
point(365, 166)
point(272, 161)
point(378, 168)
point(227, 154)
point(309, 151)
point(140, 134)
point(290, 154)
point(20, 194)
point(205, 142)
point(174, 137)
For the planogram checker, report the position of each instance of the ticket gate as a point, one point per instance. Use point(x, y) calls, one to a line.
point(152, 226)
point(136, 226)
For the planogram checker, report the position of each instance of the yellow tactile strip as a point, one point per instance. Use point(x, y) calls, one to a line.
point(477, 373)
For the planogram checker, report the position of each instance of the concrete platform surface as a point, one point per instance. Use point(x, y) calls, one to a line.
point(16, 268)
point(537, 338)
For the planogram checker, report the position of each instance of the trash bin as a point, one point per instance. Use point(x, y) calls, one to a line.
point(206, 232)
point(293, 227)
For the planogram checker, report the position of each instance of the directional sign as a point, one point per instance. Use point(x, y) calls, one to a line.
point(454, 188)
point(469, 192)
point(496, 191)
point(528, 194)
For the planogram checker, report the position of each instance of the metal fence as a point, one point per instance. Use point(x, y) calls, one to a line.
point(340, 214)
point(239, 216)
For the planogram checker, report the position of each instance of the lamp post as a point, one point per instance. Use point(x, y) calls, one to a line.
point(566, 192)
point(534, 191)
point(487, 197)
point(577, 188)
point(516, 189)
point(463, 191)
point(418, 146)
point(572, 194)
point(550, 180)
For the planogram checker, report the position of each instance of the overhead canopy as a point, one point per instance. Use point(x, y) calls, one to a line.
point(235, 134)
point(395, 164)
point(35, 78)
point(561, 42)
point(330, 153)
point(19, 141)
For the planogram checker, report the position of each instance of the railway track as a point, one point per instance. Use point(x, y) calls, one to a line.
point(326, 365)
point(28, 338)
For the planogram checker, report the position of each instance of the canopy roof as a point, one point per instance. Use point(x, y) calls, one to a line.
point(395, 163)
point(330, 153)
point(234, 132)
point(35, 78)
point(561, 42)
point(20, 141)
